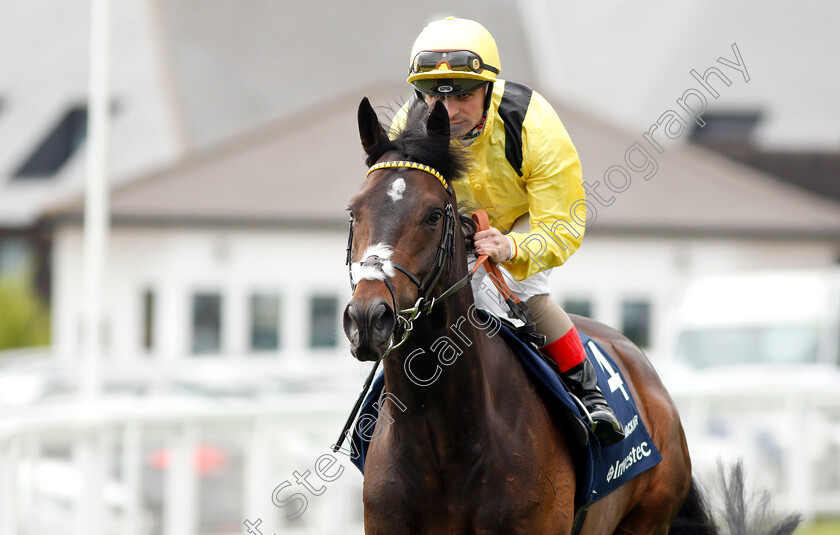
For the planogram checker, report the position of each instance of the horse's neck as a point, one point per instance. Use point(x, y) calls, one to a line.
point(440, 375)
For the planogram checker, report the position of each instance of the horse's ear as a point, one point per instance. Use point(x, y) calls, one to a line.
point(438, 122)
point(370, 130)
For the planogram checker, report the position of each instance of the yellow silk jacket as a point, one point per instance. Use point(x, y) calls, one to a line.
point(524, 162)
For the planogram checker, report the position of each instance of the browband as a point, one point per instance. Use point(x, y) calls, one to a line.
point(410, 165)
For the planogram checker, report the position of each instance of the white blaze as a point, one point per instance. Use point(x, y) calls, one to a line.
point(397, 189)
point(361, 272)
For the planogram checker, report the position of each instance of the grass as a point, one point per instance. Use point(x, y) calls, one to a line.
point(821, 527)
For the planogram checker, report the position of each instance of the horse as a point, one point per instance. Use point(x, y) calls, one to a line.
point(473, 449)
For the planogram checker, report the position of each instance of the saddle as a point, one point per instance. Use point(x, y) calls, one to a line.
point(600, 469)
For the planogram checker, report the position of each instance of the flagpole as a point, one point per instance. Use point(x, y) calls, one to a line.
point(89, 449)
point(96, 199)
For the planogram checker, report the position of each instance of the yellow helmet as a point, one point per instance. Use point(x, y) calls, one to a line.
point(452, 57)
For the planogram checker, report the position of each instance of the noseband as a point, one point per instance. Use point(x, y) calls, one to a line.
point(445, 251)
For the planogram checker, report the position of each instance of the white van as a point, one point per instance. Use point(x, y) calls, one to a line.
point(755, 373)
point(760, 318)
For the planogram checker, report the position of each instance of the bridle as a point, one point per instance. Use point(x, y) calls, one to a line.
point(445, 251)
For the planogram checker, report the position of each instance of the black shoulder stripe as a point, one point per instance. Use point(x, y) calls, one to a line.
point(512, 110)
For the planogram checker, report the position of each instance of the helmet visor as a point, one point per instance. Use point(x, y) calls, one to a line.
point(456, 60)
point(447, 87)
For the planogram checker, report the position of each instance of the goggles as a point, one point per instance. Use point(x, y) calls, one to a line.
point(456, 60)
point(447, 87)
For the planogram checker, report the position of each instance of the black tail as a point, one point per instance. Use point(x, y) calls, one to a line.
point(760, 520)
point(695, 516)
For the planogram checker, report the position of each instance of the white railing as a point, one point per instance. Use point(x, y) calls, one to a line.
point(137, 466)
point(786, 431)
point(173, 467)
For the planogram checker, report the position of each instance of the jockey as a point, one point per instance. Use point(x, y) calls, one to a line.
point(525, 173)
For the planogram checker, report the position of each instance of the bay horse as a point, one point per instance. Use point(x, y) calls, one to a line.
point(476, 450)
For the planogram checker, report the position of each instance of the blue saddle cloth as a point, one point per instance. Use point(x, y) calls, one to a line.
point(600, 469)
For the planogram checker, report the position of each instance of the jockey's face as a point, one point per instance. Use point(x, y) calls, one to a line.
point(465, 111)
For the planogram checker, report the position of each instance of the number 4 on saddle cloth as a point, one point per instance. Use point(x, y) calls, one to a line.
point(600, 470)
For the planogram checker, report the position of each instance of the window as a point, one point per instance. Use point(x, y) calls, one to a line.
point(635, 321)
point(725, 127)
point(16, 256)
point(59, 145)
point(579, 306)
point(148, 319)
point(206, 323)
point(756, 344)
point(265, 322)
point(323, 322)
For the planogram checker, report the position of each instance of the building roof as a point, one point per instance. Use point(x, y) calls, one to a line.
point(298, 170)
point(816, 171)
point(303, 169)
point(44, 61)
point(190, 74)
point(695, 191)
point(613, 59)
point(280, 57)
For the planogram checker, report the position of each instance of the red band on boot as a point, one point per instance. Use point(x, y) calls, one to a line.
point(567, 352)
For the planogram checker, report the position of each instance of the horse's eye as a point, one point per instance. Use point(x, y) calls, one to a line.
point(434, 217)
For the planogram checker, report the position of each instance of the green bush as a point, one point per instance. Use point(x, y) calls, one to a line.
point(24, 318)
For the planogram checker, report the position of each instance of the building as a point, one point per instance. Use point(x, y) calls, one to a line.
point(234, 150)
point(238, 250)
point(168, 96)
point(43, 115)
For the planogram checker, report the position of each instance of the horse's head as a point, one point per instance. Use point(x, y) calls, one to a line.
point(403, 226)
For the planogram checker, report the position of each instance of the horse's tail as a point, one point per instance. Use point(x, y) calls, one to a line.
point(695, 516)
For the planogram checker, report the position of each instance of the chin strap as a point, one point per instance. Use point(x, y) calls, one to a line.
point(475, 131)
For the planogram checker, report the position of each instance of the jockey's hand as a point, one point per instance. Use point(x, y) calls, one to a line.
point(492, 243)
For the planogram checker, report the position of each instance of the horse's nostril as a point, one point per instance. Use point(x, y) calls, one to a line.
point(351, 326)
point(382, 320)
point(368, 327)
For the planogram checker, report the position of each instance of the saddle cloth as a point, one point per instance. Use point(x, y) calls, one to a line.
point(600, 469)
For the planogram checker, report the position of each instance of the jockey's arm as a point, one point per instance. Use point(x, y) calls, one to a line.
point(556, 199)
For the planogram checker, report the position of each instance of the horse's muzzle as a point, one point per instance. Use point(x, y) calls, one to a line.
point(369, 326)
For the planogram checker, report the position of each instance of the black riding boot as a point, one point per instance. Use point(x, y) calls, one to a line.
point(583, 383)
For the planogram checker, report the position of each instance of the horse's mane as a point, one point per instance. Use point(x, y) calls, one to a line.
point(414, 144)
